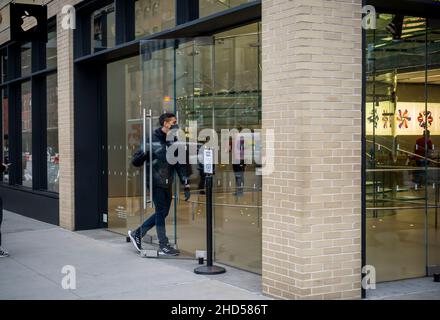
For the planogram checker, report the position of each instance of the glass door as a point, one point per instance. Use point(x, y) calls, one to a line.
point(124, 137)
point(130, 125)
point(212, 84)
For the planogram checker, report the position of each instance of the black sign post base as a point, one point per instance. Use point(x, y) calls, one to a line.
point(209, 268)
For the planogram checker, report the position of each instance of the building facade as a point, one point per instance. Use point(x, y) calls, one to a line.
point(341, 106)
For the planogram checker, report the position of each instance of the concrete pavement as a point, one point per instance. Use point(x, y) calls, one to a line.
point(106, 268)
point(109, 268)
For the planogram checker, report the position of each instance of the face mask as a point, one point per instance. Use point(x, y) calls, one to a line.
point(174, 127)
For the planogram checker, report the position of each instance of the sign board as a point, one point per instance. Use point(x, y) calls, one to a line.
point(28, 22)
point(208, 161)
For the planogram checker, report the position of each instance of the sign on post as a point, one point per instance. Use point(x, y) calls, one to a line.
point(208, 161)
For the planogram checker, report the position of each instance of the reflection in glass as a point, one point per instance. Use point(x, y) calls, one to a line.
point(103, 28)
point(124, 137)
point(152, 16)
point(53, 157)
point(208, 7)
point(402, 135)
point(26, 134)
point(26, 60)
point(51, 47)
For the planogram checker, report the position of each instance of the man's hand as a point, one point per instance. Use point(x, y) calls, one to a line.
point(187, 192)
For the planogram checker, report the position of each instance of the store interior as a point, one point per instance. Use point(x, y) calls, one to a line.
point(402, 163)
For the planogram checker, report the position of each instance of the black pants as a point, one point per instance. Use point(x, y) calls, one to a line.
point(162, 202)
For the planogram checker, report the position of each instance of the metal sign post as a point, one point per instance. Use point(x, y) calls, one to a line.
point(208, 160)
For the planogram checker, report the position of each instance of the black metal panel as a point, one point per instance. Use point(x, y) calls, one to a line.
point(14, 134)
point(39, 133)
point(186, 10)
point(32, 205)
point(102, 155)
point(87, 144)
point(119, 52)
point(81, 36)
point(38, 56)
point(14, 62)
point(125, 24)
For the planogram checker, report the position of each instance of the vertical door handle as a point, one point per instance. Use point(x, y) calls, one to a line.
point(144, 146)
point(150, 167)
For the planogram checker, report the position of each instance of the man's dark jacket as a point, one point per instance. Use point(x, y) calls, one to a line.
point(163, 172)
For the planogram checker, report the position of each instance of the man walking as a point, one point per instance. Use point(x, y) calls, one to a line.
point(162, 185)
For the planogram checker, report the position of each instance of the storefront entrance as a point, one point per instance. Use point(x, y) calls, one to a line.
point(402, 159)
point(210, 83)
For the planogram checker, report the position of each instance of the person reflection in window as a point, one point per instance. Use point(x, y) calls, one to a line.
point(422, 155)
point(238, 165)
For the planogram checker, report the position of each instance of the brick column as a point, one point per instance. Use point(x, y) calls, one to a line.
point(312, 99)
point(65, 118)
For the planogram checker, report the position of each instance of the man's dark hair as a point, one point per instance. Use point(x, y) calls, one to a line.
point(165, 117)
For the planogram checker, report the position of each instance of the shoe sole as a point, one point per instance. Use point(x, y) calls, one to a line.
point(133, 241)
point(168, 254)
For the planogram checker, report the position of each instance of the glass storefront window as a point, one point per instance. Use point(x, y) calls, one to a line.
point(208, 7)
point(52, 134)
point(5, 132)
point(26, 60)
point(103, 28)
point(433, 168)
point(402, 124)
point(152, 16)
point(51, 47)
point(26, 134)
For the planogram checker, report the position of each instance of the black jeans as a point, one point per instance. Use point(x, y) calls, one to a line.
point(162, 202)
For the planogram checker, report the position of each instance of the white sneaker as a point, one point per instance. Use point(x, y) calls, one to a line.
point(3, 253)
point(135, 240)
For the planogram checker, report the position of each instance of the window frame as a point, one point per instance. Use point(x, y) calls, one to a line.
point(12, 85)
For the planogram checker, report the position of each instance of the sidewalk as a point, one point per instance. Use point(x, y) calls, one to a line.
point(410, 289)
point(106, 268)
point(109, 268)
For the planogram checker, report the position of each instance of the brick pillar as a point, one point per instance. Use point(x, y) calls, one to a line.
point(312, 99)
point(66, 124)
